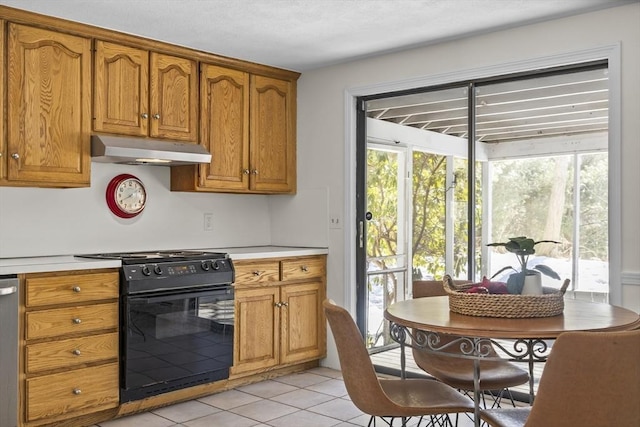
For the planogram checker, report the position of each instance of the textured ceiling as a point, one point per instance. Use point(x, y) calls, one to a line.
point(305, 34)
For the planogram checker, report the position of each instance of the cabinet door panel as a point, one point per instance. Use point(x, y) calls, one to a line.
point(61, 321)
point(71, 352)
point(48, 106)
point(80, 390)
point(273, 151)
point(121, 95)
point(224, 95)
point(303, 330)
point(174, 98)
point(71, 288)
point(257, 336)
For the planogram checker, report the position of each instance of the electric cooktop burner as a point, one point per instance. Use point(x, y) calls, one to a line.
point(157, 256)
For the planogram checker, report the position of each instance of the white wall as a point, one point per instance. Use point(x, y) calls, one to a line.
point(37, 221)
point(322, 138)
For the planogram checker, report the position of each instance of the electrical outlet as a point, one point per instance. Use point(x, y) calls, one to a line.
point(335, 221)
point(208, 221)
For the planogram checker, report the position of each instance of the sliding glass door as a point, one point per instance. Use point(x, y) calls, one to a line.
point(540, 168)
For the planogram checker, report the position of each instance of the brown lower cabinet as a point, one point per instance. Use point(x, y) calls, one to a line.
point(279, 318)
point(69, 371)
point(69, 345)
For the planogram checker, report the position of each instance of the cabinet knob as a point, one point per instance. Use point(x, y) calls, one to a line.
point(76, 289)
point(156, 116)
point(76, 352)
point(257, 273)
point(278, 304)
point(304, 268)
point(255, 171)
point(77, 391)
point(144, 115)
point(285, 304)
point(15, 156)
point(77, 321)
point(246, 171)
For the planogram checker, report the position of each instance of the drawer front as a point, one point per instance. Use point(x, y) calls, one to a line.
point(257, 272)
point(59, 394)
point(71, 353)
point(71, 288)
point(303, 268)
point(61, 321)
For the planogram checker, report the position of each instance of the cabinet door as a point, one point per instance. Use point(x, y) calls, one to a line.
point(224, 110)
point(48, 107)
point(121, 95)
point(272, 130)
point(257, 334)
point(303, 325)
point(173, 98)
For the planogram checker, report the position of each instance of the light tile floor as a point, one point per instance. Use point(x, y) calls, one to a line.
point(313, 398)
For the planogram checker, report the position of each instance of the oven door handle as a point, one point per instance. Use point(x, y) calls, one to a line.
point(173, 297)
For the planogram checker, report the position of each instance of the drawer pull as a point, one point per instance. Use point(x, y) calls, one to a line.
point(77, 391)
point(257, 273)
point(76, 352)
point(77, 321)
point(304, 268)
point(76, 289)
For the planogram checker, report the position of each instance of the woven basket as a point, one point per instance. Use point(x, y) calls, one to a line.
point(550, 303)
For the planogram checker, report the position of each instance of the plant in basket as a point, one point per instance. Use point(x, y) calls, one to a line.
point(523, 247)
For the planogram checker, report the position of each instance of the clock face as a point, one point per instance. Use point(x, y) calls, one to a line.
point(126, 196)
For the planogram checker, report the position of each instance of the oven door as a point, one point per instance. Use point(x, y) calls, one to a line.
point(171, 341)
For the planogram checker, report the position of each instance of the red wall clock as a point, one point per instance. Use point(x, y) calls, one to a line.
point(126, 196)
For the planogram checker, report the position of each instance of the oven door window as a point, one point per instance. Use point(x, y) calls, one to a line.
point(174, 341)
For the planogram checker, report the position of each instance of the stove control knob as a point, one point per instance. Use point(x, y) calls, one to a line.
point(204, 265)
point(215, 265)
point(145, 270)
point(157, 269)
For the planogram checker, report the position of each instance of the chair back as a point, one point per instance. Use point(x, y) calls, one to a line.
point(358, 373)
point(432, 288)
point(590, 379)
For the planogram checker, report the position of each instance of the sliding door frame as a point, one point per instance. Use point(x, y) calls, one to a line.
point(354, 98)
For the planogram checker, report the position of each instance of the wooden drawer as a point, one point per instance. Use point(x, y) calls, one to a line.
point(257, 272)
point(303, 268)
point(58, 394)
point(71, 353)
point(71, 288)
point(61, 321)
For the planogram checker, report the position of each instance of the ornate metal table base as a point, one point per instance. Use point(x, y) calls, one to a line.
point(524, 350)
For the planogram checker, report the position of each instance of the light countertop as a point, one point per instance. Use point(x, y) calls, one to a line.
point(45, 264)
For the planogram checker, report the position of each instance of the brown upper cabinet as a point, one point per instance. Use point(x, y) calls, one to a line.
point(144, 93)
point(248, 125)
point(48, 108)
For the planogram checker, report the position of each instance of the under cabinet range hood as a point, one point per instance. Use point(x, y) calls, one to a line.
point(141, 151)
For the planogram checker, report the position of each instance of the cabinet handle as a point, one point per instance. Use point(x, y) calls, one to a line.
point(15, 156)
point(246, 171)
point(76, 352)
point(156, 116)
point(77, 321)
point(77, 391)
point(257, 273)
point(144, 115)
point(278, 304)
point(76, 289)
point(255, 171)
point(285, 304)
point(304, 268)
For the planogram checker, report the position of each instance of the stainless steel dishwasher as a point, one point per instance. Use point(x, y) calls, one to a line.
point(8, 351)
